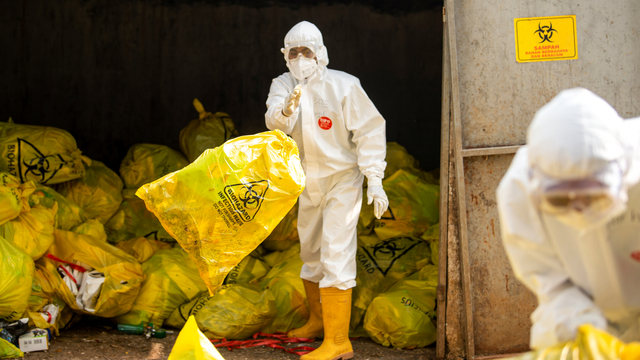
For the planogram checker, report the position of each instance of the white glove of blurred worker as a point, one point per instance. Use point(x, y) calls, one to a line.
point(377, 196)
point(292, 101)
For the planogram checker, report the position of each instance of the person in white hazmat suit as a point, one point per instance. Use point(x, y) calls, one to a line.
point(342, 139)
point(569, 209)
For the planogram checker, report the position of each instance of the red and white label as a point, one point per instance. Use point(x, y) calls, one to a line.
point(325, 123)
point(635, 255)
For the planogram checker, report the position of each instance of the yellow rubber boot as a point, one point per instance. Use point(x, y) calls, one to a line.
point(336, 310)
point(314, 327)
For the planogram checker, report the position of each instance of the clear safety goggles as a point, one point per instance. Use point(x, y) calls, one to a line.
point(292, 53)
point(596, 194)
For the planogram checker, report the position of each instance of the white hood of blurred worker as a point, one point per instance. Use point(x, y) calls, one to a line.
point(589, 276)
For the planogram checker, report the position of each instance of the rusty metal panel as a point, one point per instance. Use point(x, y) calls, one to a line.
point(501, 304)
point(500, 96)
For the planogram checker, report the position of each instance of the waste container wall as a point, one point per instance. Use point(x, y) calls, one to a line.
point(494, 100)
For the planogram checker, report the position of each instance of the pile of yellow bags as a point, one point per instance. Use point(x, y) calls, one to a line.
point(45, 155)
point(14, 196)
point(68, 215)
point(207, 132)
point(145, 163)
point(224, 204)
point(171, 279)
point(381, 264)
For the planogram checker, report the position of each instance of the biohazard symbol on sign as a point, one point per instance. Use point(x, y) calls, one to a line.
point(385, 253)
point(247, 198)
point(34, 165)
point(545, 32)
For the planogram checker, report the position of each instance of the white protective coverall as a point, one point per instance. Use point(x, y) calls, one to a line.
point(580, 276)
point(342, 138)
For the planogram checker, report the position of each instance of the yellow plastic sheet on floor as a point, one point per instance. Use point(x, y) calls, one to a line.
point(9, 351)
point(16, 276)
point(193, 345)
point(172, 279)
point(381, 264)
point(14, 196)
point(224, 204)
point(413, 207)
point(283, 281)
point(285, 235)
point(133, 220)
point(235, 312)
point(249, 271)
point(98, 192)
point(43, 154)
point(145, 163)
point(91, 227)
point(590, 344)
point(68, 216)
point(142, 248)
point(207, 132)
point(123, 274)
point(32, 230)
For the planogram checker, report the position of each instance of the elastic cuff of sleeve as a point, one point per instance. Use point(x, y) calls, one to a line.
point(374, 181)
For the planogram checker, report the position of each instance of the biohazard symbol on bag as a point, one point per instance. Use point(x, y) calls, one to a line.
point(389, 251)
point(247, 198)
point(32, 161)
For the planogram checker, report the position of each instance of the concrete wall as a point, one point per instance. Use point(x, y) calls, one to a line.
point(119, 72)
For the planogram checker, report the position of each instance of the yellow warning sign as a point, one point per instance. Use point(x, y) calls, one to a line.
point(546, 38)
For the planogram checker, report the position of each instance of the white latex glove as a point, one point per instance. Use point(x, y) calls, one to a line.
point(292, 101)
point(377, 196)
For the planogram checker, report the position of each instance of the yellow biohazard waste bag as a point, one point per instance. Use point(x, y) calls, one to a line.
point(381, 264)
point(32, 230)
point(432, 236)
point(224, 204)
point(91, 227)
point(278, 257)
point(145, 163)
point(98, 192)
point(285, 235)
point(236, 312)
point(284, 283)
point(122, 273)
point(133, 220)
point(171, 280)
point(207, 132)
point(69, 214)
point(193, 345)
point(249, 270)
point(590, 344)
point(14, 196)
point(398, 158)
point(16, 276)
point(413, 207)
point(403, 318)
point(43, 296)
point(142, 248)
point(42, 154)
point(9, 351)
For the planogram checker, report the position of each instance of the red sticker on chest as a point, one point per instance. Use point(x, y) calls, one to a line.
point(635, 255)
point(325, 123)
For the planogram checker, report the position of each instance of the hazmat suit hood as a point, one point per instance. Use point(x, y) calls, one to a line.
point(577, 135)
point(307, 34)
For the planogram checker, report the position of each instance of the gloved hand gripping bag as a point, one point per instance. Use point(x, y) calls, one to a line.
point(224, 204)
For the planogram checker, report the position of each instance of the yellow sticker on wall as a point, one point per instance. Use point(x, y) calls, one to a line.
point(546, 38)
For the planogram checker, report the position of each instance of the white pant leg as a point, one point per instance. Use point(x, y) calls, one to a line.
point(310, 233)
point(339, 231)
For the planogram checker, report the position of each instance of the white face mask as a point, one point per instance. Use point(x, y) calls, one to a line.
point(302, 68)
